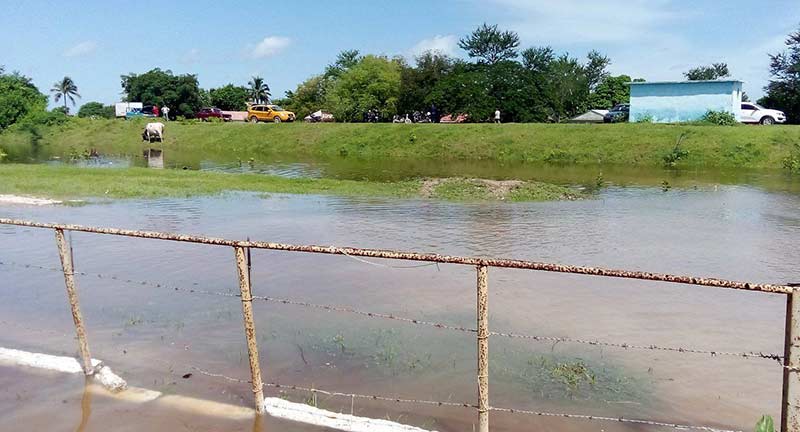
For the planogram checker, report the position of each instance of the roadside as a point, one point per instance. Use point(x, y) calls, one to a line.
point(557, 144)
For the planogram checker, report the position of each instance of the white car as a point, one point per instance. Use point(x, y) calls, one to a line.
point(754, 113)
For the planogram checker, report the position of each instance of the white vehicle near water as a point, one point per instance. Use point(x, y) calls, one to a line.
point(755, 113)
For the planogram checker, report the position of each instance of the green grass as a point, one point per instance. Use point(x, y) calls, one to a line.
point(69, 182)
point(627, 144)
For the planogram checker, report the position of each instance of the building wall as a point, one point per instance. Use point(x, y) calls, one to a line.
point(684, 101)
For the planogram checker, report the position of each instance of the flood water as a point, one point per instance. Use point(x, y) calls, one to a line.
point(153, 335)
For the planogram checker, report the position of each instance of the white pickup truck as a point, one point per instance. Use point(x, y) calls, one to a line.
point(754, 113)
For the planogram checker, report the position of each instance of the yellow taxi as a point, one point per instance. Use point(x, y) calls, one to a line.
point(274, 113)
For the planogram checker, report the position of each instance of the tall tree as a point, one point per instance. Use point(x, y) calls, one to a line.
point(373, 83)
point(418, 82)
point(259, 90)
point(538, 59)
point(65, 89)
point(18, 98)
point(229, 97)
point(612, 90)
point(596, 68)
point(707, 73)
point(344, 61)
point(491, 45)
point(783, 90)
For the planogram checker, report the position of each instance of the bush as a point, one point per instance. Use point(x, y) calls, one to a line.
point(96, 110)
point(647, 118)
point(44, 118)
point(721, 118)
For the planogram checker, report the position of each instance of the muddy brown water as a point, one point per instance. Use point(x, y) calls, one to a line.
point(153, 335)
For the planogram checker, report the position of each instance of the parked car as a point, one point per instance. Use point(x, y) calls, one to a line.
point(273, 113)
point(620, 113)
point(136, 112)
point(454, 118)
point(206, 113)
point(755, 113)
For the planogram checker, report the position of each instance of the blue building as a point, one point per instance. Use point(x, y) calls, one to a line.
point(681, 101)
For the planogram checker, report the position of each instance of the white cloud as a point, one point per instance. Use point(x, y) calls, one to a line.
point(192, 56)
point(442, 44)
point(81, 49)
point(268, 47)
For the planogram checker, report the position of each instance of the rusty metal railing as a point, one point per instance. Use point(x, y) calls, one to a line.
point(790, 408)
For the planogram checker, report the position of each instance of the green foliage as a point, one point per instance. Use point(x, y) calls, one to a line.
point(792, 161)
point(611, 90)
point(229, 97)
point(344, 61)
point(491, 45)
point(96, 110)
point(417, 83)
point(373, 83)
point(18, 98)
point(180, 93)
point(707, 73)
point(595, 68)
point(765, 424)
point(259, 90)
point(721, 118)
point(307, 98)
point(65, 89)
point(647, 118)
point(783, 90)
point(677, 153)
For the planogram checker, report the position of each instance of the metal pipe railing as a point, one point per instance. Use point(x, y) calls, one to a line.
point(790, 407)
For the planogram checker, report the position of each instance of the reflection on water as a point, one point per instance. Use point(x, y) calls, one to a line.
point(152, 334)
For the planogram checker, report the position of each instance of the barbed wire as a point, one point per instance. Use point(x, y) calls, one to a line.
point(313, 390)
point(344, 309)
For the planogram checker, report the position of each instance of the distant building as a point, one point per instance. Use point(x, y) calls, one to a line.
point(591, 116)
point(682, 101)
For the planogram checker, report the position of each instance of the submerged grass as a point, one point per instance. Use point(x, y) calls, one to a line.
point(68, 182)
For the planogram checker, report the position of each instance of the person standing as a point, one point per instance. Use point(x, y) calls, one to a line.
point(165, 110)
point(156, 111)
point(497, 116)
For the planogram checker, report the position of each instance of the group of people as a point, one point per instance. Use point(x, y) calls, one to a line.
point(159, 112)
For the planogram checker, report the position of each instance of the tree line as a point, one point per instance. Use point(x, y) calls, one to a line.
point(536, 84)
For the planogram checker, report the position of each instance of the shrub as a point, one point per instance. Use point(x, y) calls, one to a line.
point(721, 118)
point(96, 110)
point(766, 424)
point(677, 153)
point(647, 118)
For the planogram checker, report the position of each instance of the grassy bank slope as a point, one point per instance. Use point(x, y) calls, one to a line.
point(73, 182)
point(630, 144)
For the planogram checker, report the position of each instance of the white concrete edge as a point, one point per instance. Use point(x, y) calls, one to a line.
point(103, 374)
point(17, 199)
point(307, 414)
point(114, 386)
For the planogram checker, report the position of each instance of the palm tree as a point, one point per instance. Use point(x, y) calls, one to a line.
point(65, 88)
point(259, 90)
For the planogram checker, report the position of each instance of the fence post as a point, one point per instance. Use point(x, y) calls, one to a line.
point(250, 327)
point(65, 253)
point(790, 406)
point(483, 349)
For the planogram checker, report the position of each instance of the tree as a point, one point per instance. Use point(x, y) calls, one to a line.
point(18, 98)
point(566, 87)
point(96, 110)
point(491, 45)
point(538, 59)
point(373, 83)
point(783, 90)
point(259, 90)
point(229, 97)
point(611, 91)
point(308, 97)
point(65, 89)
point(181, 93)
point(344, 61)
point(595, 68)
point(416, 83)
point(707, 73)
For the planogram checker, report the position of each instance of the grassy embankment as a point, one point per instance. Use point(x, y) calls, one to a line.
point(624, 144)
point(69, 182)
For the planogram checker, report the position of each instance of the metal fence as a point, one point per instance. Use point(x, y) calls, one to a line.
point(790, 359)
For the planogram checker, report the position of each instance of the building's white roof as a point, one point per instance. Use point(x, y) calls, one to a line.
point(684, 82)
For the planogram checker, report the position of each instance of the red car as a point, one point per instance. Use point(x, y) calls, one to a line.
point(206, 113)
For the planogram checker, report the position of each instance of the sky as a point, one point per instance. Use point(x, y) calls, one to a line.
point(94, 42)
